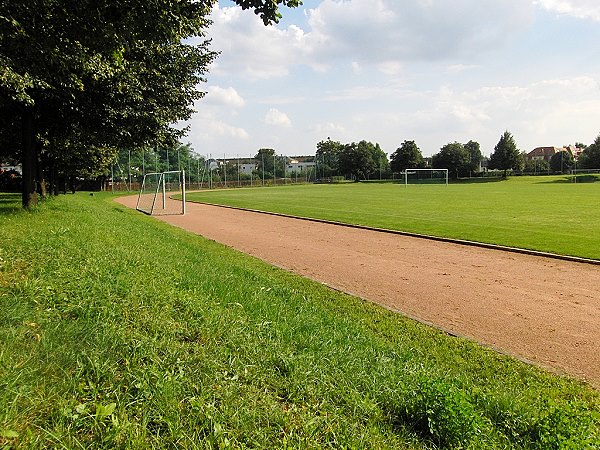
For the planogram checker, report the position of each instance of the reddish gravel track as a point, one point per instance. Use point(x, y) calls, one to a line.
point(539, 309)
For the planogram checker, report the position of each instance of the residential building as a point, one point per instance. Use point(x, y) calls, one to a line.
point(300, 164)
point(546, 153)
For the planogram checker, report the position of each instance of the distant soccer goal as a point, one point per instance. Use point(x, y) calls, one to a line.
point(158, 191)
point(585, 175)
point(425, 176)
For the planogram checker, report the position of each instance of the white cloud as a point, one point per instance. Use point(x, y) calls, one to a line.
point(382, 33)
point(277, 118)
point(582, 9)
point(328, 127)
point(388, 30)
point(456, 68)
point(224, 96)
point(206, 126)
point(251, 48)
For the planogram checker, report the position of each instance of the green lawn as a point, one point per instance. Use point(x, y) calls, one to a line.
point(117, 330)
point(539, 213)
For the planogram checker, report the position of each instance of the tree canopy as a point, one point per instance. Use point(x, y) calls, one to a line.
point(82, 77)
point(407, 156)
point(562, 161)
point(590, 158)
point(475, 155)
point(326, 158)
point(361, 160)
point(454, 157)
point(506, 155)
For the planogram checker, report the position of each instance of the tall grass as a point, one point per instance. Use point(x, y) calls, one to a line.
point(120, 331)
point(540, 213)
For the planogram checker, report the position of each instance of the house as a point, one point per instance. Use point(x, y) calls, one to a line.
point(244, 165)
point(546, 153)
point(300, 164)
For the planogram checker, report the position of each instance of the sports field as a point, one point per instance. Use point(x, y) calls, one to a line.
point(547, 214)
point(119, 331)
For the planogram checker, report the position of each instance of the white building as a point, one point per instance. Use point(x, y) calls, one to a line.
point(300, 164)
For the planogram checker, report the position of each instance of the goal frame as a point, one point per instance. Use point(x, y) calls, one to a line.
point(406, 171)
point(161, 193)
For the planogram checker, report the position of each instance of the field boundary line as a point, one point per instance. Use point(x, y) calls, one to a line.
point(464, 242)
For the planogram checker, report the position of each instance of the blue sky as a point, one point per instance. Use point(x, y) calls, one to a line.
point(432, 71)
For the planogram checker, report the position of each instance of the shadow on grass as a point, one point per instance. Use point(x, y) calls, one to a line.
point(482, 180)
point(10, 203)
point(570, 180)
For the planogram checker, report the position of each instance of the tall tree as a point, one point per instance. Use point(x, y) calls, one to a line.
point(265, 162)
point(101, 72)
point(355, 160)
point(326, 158)
point(407, 156)
point(562, 161)
point(454, 157)
point(475, 155)
point(590, 158)
point(380, 160)
point(506, 155)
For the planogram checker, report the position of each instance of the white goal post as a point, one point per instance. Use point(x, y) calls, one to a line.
point(157, 192)
point(425, 176)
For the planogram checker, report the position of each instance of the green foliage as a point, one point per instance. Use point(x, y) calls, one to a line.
point(590, 157)
point(361, 160)
point(121, 331)
point(562, 162)
point(506, 155)
point(407, 156)
point(454, 157)
point(268, 10)
point(326, 158)
point(475, 156)
point(86, 77)
point(265, 162)
point(536, 166)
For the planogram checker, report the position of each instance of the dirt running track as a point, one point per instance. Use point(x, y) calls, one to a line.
point(539, 309)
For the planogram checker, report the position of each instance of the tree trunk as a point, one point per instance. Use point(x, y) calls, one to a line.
point(40, 180)
point(53, 177)
point(28, 160)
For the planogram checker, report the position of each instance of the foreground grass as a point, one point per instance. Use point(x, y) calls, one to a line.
point(119, 331)
point(540, 213)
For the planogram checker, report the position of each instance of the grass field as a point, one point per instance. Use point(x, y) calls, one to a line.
point(117, 330)
point(539, 213)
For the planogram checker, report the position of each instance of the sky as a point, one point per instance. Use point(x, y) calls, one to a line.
point(386, 71)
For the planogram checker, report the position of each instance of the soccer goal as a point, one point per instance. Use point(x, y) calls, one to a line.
point(158, 191)
point(425, 176)
point(585, 175)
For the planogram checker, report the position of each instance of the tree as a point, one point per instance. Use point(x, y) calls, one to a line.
point(265, 162)
point(380, 161)
point(562, 162)
point(326, 158)
point(268, 10)
point(536, 166)
point(76, 73)
point(506, 154)
point(407, 156)
point(590, 158)
point(356, 160)
point(454, 157)
point(475, 155)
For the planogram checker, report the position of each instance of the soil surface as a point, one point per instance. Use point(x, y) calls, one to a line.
point(539, 309)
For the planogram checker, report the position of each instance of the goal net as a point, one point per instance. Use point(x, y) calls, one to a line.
point(162, 193)
point(585, 175)
point(425, 176)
